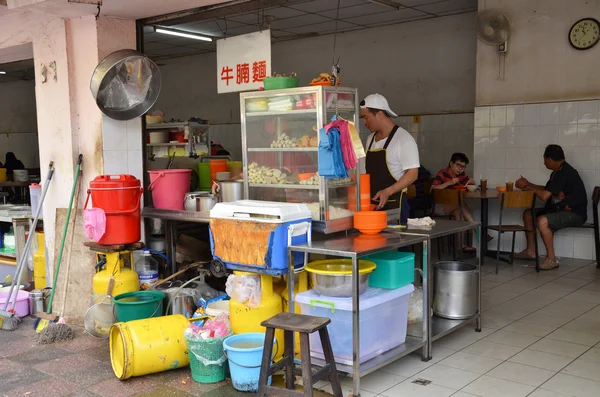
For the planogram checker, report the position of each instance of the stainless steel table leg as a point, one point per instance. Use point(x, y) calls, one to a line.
point(427, 300)
point(479, 260)
point(355, 329)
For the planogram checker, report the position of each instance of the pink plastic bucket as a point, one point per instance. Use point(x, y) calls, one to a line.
point(22, 306)
point(169, 187)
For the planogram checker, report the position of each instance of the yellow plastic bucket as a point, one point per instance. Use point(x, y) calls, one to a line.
point(3, 176)
point(148, 346)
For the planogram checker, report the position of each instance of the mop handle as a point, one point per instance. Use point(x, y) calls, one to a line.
point(23, 258)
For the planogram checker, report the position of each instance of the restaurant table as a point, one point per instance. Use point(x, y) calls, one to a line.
point(484, 198)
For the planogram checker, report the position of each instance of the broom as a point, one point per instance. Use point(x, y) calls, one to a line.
point(8, 319)
point(45, 319)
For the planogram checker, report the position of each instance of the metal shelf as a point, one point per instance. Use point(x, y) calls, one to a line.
point(173, 215)
point(178, 144)
point(165, 126)
point(409, 346)
point(311, 112)
point(285, 186)
point(440, 327)
point(287, 149)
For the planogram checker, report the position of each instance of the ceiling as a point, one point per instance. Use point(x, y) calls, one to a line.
point(15, 71)
point(294, 19)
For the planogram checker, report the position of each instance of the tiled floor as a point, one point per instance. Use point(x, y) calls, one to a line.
point(540, 338)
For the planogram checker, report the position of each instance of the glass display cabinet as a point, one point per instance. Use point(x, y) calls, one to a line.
point(280, 142)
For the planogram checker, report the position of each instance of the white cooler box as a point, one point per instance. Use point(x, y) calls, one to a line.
point(383, 321)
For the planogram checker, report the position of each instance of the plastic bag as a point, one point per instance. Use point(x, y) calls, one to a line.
point(33, 248)
point(94, 223)
point(415, 306)
point(244, 289)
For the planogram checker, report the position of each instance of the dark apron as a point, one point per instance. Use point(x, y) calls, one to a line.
point(381, 178)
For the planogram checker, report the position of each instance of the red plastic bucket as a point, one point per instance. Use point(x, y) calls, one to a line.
point(119, 196)
point(169, 187)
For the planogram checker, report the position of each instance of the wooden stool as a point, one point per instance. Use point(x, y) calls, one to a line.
point(304, 325)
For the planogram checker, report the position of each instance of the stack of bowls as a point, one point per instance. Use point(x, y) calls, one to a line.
point(370, 222)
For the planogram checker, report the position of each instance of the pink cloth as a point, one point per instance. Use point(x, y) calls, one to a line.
point(350, 158)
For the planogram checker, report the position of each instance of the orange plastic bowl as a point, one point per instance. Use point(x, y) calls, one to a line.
point(370, 222)
point(306, 176)
point(501, 189)
point(370, 207)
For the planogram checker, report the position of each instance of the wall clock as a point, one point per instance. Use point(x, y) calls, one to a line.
point(584, 34)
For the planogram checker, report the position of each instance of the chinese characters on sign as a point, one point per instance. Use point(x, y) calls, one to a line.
point(243, 62)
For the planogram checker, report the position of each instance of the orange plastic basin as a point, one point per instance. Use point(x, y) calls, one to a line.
point(370, 222)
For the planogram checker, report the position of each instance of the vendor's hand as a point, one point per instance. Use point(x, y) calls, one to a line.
point(382, 196)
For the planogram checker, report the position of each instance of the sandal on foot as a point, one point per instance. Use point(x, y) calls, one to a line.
point(549, 264)
point(468, 250)
point(524, 255)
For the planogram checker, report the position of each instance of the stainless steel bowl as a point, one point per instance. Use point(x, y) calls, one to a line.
point(339, 285)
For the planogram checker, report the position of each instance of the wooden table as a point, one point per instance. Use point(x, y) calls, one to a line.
point(484, 198)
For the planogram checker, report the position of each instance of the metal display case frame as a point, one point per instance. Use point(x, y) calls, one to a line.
point(322, 113)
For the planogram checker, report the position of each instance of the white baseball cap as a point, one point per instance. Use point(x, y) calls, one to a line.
point(378, 101)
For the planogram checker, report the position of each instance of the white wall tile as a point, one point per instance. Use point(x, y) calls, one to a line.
point(497, 137)
point(513, 136)
point(549, 114)
point(481, 135)
point(587, 112)
point(482, 116)
point(582, 158)
point(114, 134)
point(531, 157)
point(583, 248)
point(548, 135)
point(514, 158)
point(134, 134)
point(532, 114)
point(567, 112)
point(497, 158)
point(496, 177)
point(497, 116)
point(567, 135)
point(563, 245)
point(587, 135)
point(115, 162)
point(530, 136)
point(514, 115)
point(433, 122)
point(135, 164)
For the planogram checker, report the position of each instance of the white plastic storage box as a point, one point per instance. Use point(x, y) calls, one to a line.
point(383, 321)
point(253, 235)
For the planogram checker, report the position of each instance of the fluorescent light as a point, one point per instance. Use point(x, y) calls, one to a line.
point(180, 33)
point(387, 3)
point(1, 72)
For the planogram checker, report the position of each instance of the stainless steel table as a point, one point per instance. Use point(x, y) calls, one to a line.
point(171, 217)
point(355, 246)
point(441, 326)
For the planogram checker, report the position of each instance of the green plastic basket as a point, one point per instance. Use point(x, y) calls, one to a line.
point(278, 83)
point(138, 305)
point(394, 269)
point(207, 359)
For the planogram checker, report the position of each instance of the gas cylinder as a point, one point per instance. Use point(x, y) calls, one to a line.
point(39, 263)
point(247, 319)
point(300, 286)
point(126, 280)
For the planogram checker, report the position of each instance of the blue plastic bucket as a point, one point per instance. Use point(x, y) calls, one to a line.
point(244, 352)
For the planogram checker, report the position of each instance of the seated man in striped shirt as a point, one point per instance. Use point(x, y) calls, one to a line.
point(453, 175)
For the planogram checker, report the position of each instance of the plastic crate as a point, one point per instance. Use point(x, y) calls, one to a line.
point(394, 269)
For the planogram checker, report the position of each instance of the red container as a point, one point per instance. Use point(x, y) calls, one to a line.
point(119, 196)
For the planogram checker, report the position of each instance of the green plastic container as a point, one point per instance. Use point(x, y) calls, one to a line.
point(394, 269)
point(278, 83)
point(204, 176)
point(207, 359)
point(138, 305)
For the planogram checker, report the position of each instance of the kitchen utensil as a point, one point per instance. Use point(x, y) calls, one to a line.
point(471, 188)
point(370, 222)
point(183, 301)
point(455, 290)
point(231, 191)
point(101, 315)
point(125, 84)
point(334, 277)
point(206, 202)
point(501, 189)
point(190, 200)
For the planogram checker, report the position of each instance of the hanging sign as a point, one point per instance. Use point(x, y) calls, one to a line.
point(243, 62)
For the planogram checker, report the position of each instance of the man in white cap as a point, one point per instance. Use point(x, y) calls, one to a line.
point(392, 156)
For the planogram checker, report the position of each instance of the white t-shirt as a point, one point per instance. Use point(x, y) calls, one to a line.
point(402, 152)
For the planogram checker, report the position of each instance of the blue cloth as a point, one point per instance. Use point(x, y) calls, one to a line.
point(331, 159)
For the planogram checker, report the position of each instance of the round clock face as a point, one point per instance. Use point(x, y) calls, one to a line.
point(585, 34)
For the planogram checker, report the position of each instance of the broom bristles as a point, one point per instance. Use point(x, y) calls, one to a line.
point(8, 321)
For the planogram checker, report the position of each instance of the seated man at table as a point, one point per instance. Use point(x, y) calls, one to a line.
point(566, 204)
point(453, 175)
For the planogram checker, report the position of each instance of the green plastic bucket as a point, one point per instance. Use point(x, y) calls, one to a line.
point(138, 305)
point(277, 83)
point(207, 359)
point(204, 176)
